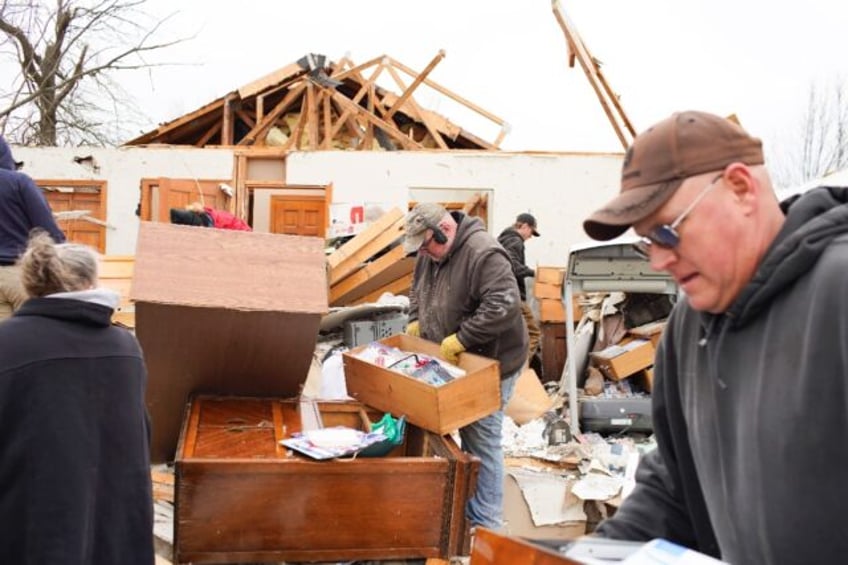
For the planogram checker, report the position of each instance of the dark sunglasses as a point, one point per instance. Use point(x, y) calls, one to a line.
point(665, 235)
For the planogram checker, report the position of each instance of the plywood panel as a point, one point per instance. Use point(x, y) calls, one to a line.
point(224, 312)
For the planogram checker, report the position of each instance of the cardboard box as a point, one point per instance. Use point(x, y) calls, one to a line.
point(651, 331)
point(552, 310)
point(518, 519)
point(645, 379)
point(529, 398)
point(440, 409)
point(223, 312)
point(550, 275)
point(620, 361)
point(547, 290)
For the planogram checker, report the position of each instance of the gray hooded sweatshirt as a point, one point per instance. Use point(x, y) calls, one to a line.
point(751, 408)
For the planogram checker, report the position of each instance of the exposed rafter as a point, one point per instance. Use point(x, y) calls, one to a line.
point(317, 104)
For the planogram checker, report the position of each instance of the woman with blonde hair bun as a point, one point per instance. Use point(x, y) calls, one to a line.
point(74, 432)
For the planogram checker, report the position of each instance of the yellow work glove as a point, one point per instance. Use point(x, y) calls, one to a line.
point(451, 348)
point(413, 329)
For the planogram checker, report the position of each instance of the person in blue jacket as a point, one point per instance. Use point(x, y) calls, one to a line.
point(22, 208)
point(750, 397)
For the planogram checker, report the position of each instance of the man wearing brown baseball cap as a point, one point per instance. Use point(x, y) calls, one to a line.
point(752, 362)
point(660, 159)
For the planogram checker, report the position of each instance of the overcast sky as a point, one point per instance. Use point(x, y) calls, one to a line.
point(754, 58)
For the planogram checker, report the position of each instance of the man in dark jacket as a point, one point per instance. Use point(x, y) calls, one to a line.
point(749, 395)
point(465, 298)
point(22, 208)
point(512, 239)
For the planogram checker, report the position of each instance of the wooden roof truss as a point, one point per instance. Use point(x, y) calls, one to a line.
point(318, 104)
point(609, 100)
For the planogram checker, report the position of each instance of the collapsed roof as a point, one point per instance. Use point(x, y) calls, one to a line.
point(317, 104)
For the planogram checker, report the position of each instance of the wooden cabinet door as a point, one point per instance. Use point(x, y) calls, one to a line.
point(79, 197)
point(298, 215)
point(158, 196)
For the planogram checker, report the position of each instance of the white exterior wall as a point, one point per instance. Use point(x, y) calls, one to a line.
point(559, 189)
point(123, 169)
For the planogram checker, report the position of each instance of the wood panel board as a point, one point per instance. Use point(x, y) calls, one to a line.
point(372, 276)
point(362, 247)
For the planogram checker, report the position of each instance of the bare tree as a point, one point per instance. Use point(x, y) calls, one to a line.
point(67, 56)
point(819, 145)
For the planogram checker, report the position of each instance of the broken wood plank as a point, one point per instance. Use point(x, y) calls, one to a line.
point(368, 140)
point(456, 97)
point(227, 120)
point(326, 142)
point(407, 93)
point(419, 113)
point(270, 118)
point(390, 129)
point(349, 110)
point(398, 287)
point(312, 102)
point(372, 276)
point(351, 249)
point(163, 484)
point(115, 272)
point(245, 117)
point(259, 85)
point(296, 136)
point(343, 74)
point(157, 134)
point(216, 128)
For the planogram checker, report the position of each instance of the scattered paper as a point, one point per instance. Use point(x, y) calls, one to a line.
point(329, 443)
point(547, 497)
point(597, 487)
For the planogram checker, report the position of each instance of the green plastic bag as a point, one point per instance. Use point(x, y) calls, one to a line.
point(393, 429)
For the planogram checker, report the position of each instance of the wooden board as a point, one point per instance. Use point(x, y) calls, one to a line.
point(494, 549)
point(376, 237)
point(389, 267)
point(116, 272)
point(398, 287)
point(224, 312)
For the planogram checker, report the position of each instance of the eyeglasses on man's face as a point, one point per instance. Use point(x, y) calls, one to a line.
point(665, 235)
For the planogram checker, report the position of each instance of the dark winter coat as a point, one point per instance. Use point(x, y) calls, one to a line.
point(471, 292)
point(512, 241)
point(751, 409)
point(22, 208)
point(74, 438)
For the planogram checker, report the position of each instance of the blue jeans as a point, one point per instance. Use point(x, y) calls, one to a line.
point(484, 439)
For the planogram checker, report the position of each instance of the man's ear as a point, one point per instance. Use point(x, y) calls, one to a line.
point(739, 178)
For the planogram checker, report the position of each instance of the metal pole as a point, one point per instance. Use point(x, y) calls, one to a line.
point(569, 371)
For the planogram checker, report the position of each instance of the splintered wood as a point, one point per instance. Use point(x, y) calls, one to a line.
point(371, 263)
point(163, 483)
point(115, 272)
point(318, 104)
